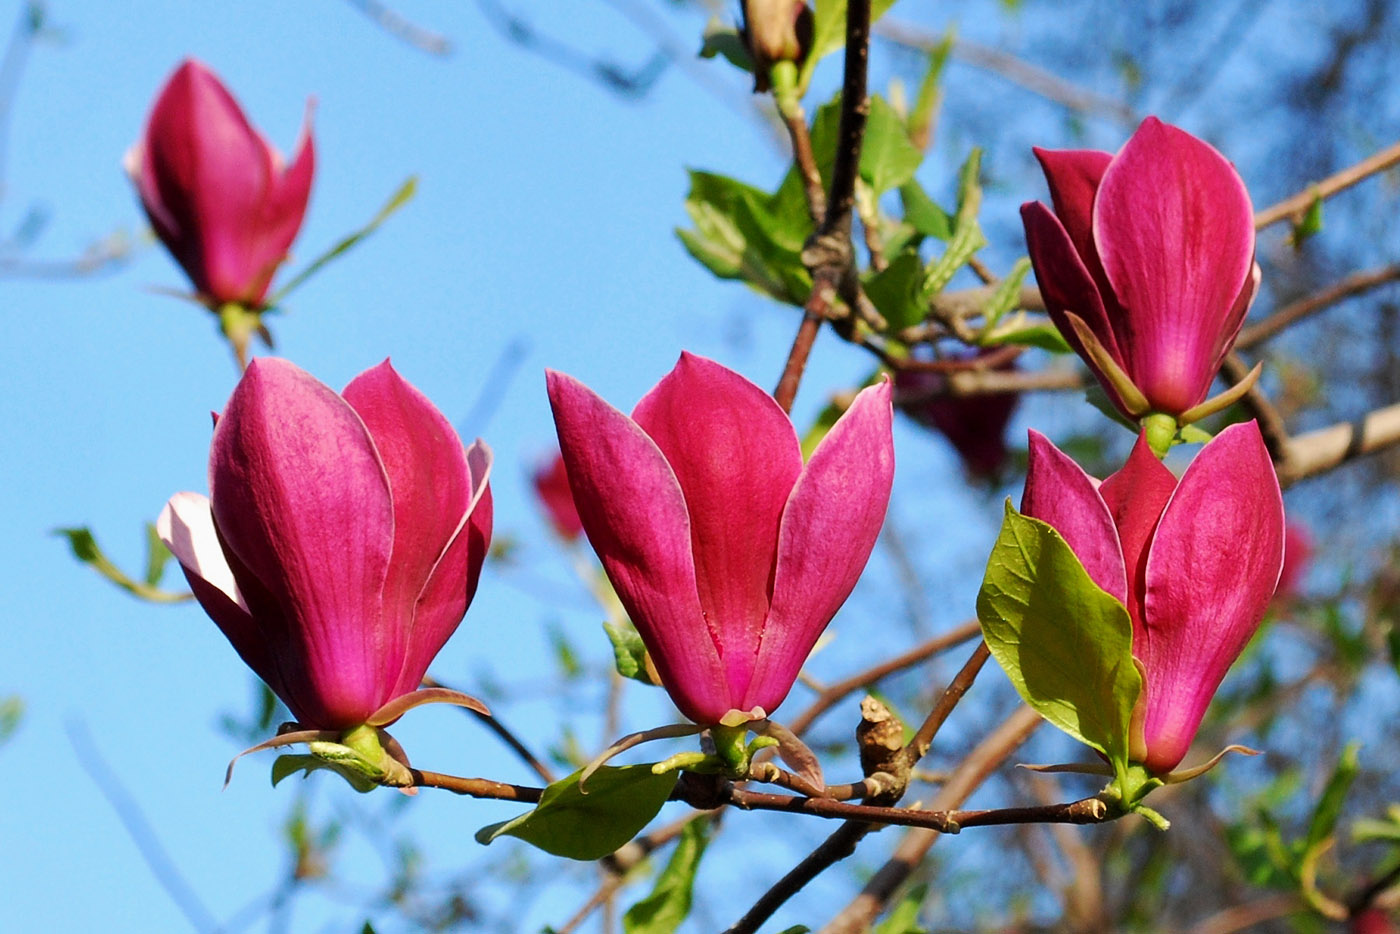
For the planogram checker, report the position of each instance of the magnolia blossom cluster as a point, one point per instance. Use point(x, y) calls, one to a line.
point(343, 536)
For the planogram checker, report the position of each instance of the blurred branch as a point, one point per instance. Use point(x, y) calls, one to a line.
point(398, 26)
point(1234, 370)
point(1296, 205)
point(139, 829)
point(1327, 448)
point(1357, 283)
point(500, 729)
point(1244, 917)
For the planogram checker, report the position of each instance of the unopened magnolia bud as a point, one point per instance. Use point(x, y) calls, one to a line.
point(776, 31)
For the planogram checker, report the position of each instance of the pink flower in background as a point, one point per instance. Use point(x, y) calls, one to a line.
point(218, 196)
point(342, 539)
point(974, 425)
point(551, 482)
point(1297, 558)
point(1371, 921)
point(729, 554)
point(1195, 562)
point(1152, 251)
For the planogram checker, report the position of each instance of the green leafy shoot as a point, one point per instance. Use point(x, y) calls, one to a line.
point(721, 39)
point(1328, 810)
point(629, 652)
point(904, 919)
point(1005, 297)
point(11, 713)
point(897, 291)
point(967, 236)
point(620, 801)
point(930, 95)
point(398, 199)
point(1065, 644)
point(668, 904)
point(1308, 225)
point(86, 550)
point(829, 31)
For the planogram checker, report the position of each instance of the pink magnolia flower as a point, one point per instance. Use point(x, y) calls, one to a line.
point(974, 425)
point(551, 482)
point(1195, 562)
point(342, 539)
point(729, 554)
point(1297, 557)
point(1152, 251)
point(218, 196)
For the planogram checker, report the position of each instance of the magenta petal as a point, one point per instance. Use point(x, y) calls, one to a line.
point(1067, 286)
point(828, 530)
point(1073, 176)
point(1175, 231)
point(736, 457)
point(1136, 495)
point(430, 487)
point(302, 499)
point(634, 513)
point(1213, 567)
point(1059, 493)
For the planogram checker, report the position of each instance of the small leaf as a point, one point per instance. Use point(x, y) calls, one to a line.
point(1065, 644)
point(567, 822)
point(668, 904)
point(1329, 805)
point(887, 158)
point(829, 31)
point(904, 919)
point(967, 236)
point(920, 210)
point(897, 291)
point(564, 655)
point(1308, 225)
point(1044, 336)
point(722, 39)
point(401, 196)
point(629, 652)
point(11, 713)
point(292, 763)
point(1005, 297)
point(741, 233)
point(86, 550)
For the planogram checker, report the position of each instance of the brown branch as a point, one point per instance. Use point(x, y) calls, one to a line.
point(829, 254)
point(966, 778)
point(1296, 205)
point(500, 729)
point(1328, 448)
point(795, 121)
point(841, 689)
point(952, 694)
point(838, 846)
point(1271, 426)
point(475, 787)
point(1243, 917)
point(1355, 284)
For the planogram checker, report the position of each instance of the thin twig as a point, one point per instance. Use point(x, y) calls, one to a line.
point(1325, 449)
point(1355, 284)
point(795, 121)
point(500, 729)
point(1243, 917)
point(839, 845)
point(1271, 426)
point(398, 26)
point(138, 828)
point(1296, 205)
point(476, 787)
point(918, 747)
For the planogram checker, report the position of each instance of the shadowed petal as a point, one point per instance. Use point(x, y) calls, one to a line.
point(430, 487)
point(634, 513)
point(1213, 566)
point(828, 530)
point(302, 499)
point(1175, 231)
point(736, 457)
point(1073, 176)
point(1136, 496)
point(1059, 493)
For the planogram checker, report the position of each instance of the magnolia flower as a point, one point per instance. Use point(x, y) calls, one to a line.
point(775, 31)
point(974, 425)
point(729, 554)
point(342, 539)
point(1195, 562)
point(218, 196)
point(1146, 264)
point(551, 482)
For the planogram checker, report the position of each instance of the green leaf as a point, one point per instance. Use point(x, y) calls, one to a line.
point(293, 763)
point(829, 31)
point(564, 655)
point(1006, 296)
point(568, 822)
point(897, 291)
point(920, 210)
point(905, 917)
point(1065, 644)
point(1308, 225)
point(86, 550)
point(741, 233)
point(662, 911)
point(1042, 335)
point(887, 158)
point(722, 39)
point(629, 652)
point(1329, 805)
point(401, 196)
point(967, 236)
point(11, 713)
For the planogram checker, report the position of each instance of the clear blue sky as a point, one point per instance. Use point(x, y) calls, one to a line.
point(544, 216)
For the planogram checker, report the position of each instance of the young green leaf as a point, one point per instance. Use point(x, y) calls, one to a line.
point(662, 911)
point(86, 550)
point(568, 822)
point(629, 652)
point(829, 31)
point(897, 291)
point(904, 919)
point(1329, 805)
point(887, 158)
point(11, 713)
point(1065, 644)
point(928, 218)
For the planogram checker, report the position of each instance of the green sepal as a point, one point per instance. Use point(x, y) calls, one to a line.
point(292, 763)
point(1065, 643)
point(566, 822)
point(1125, 794)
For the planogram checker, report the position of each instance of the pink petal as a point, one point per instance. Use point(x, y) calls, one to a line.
point(1068, 286)
point(1136, 496)
point(1059, 493)
point(430, 486)
point(302, 499)
point(1213, 567)
point(1175, 230)
point(551, 483)
point(634, 513)
point(452, 584)
point(1073, 176)
point(736, 457)
point(828, 530)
